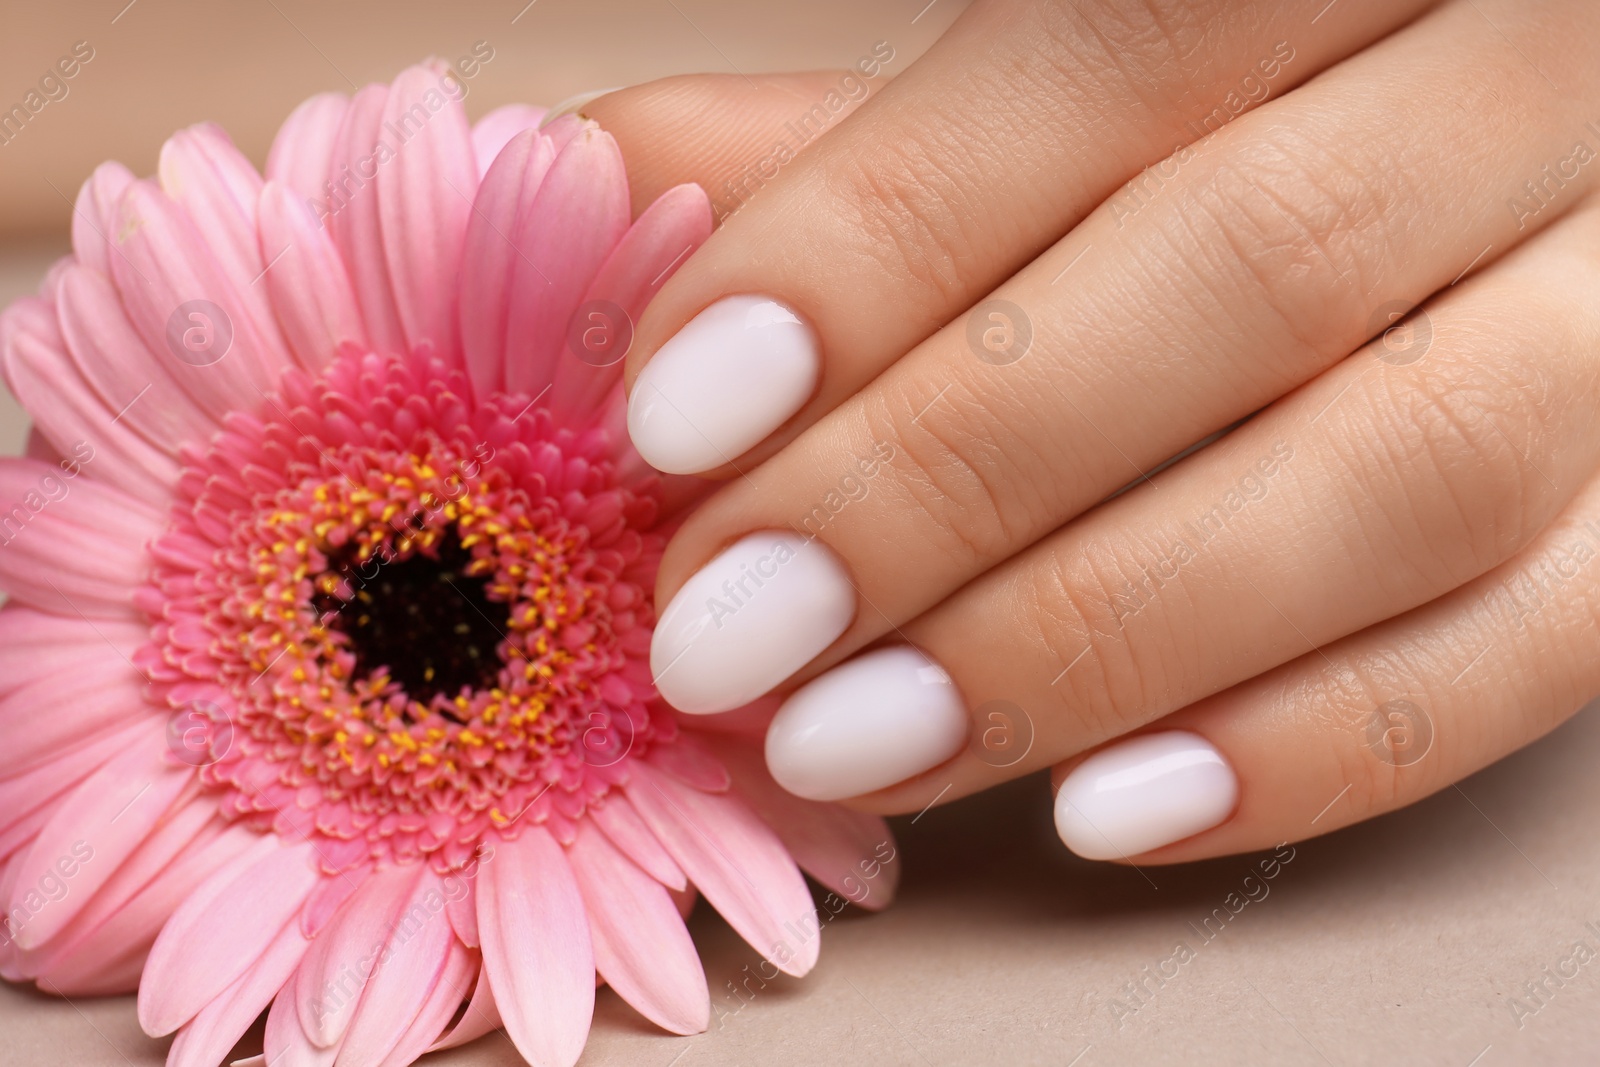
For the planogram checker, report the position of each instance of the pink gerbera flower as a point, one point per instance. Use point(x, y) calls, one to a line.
point(324, 679)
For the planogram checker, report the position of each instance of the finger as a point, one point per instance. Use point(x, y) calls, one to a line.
point(1009, 131)
point(672, 134)
point(1261, 264)
point(719, 130)
point(1376, 722)
point(1375, 489)
point(709, 118)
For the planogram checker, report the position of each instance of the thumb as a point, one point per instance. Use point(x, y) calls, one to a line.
point(727, 133)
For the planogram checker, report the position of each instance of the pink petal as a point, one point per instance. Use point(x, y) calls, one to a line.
point(188, 824)
point(455, 981)
point(34, 645)
point(110, 978)
point(174, 288)
point(491, 133)
point(424, 197)
point(43, 786)
point(851, 852)
point(563, 128)
point(481, 1017)
point(331, 979)
point(737, 862)
point(536, 948)
point(680, 493)
point(205, 946)
point(9, 869)
point(300, 154)
point(154, 391)
point(71, 546)
point(69, 412)
point(36, 447)
point(216, 186)
point(577, 217)
point(641, 947)
point(622, 824)
point(330, 896)
point(207, 1039)
point(131, 928)
point(687, 760)
point(94, 215)
point(9, 969)
point(310, 289)
point(98, 827)
point(285, 1044)
point(749, 722)
point(664, 236)
point(53, 716)
point(416, 952)
point(507, 191)
point(463, 912)
point(361, 149)
point(16, 841)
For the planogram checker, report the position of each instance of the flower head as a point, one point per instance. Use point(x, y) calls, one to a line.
point(324, 671)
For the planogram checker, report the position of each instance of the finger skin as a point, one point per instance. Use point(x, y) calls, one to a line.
point(1020, 120)
point(1401, 486)
point(1405, 709)
point(1207, 304)
point(728, 133)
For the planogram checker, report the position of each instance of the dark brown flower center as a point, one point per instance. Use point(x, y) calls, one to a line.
point(423, 619)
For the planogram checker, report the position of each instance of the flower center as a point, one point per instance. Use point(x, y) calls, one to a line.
point(424, 614)
point(428, 624)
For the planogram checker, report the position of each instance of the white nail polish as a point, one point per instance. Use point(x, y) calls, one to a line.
point(1143, 793)
point(722, 384)
point(749, 619)
point(876, 720)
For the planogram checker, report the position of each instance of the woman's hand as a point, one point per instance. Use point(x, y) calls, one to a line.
point(1071, 241)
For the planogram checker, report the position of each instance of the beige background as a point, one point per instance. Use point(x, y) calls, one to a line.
point(1400, 941)
point(1396, 942)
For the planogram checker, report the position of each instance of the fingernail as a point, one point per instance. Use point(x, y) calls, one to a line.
point(747, 620)
point(574, 105)
point(724, 382)
point(875, 721)
point(1141, 794)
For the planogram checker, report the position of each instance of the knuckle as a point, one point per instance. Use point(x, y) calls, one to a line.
point(1152, 47)
point(951, 468)
point(1377, 784)
point(1481, 439)
point(1306, 227)
point(905, 199)
point(1358, 746)
point(1103, 689)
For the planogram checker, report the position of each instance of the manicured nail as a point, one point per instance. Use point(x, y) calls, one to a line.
point(1141, 794)
point(574, 105)
point(875, 721)
point(747, 620)
point(725, 381)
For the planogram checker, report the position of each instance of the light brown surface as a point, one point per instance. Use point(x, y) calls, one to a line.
point(1400, 941)
point(164, 64)
point(1397, 942)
